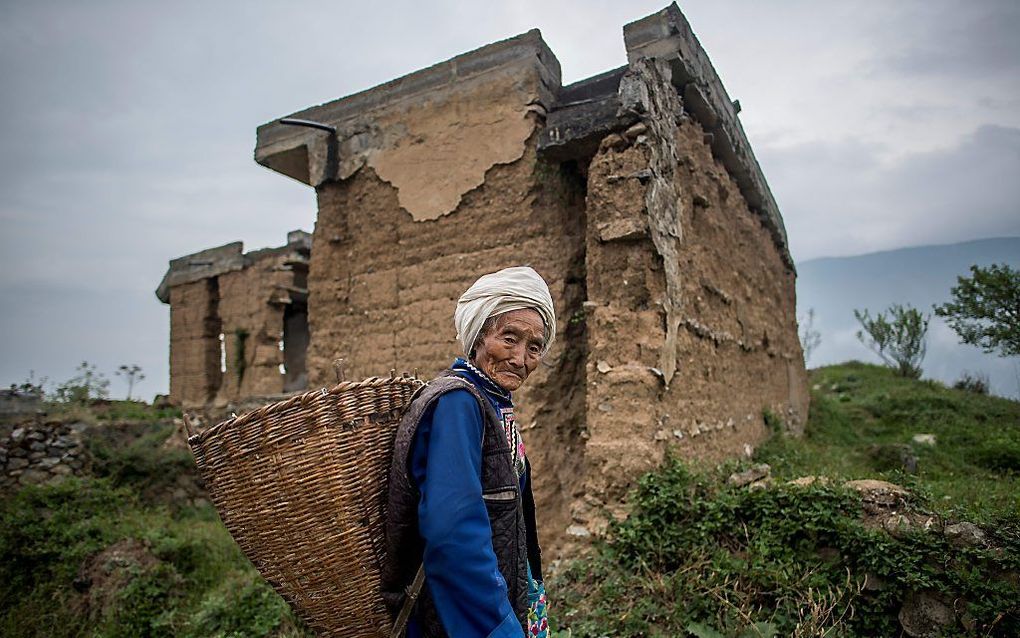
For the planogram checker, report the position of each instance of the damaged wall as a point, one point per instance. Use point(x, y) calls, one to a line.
point(228, 312)
point(634, 193)
point(691, 308)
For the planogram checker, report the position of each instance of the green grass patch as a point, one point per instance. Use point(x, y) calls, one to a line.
point(698, 557)
point(863, 419)
point(85, 558)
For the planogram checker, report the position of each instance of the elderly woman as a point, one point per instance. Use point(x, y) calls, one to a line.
point(460, 501)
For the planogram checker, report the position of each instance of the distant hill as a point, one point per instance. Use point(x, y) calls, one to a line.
point(920, 276)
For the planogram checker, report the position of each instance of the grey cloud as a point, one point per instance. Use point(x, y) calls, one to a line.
point(840, 198)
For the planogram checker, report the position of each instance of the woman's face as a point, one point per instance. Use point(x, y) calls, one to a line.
point(512, 348)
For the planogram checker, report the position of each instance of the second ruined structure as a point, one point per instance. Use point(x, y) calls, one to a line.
point(634, 193)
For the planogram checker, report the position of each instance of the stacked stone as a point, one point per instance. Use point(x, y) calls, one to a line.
point(36, 453)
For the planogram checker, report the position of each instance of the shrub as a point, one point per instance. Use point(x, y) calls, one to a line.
point(976, 383)
point(698, 556)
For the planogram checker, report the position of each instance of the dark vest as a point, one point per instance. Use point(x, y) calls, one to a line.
point(511, 515)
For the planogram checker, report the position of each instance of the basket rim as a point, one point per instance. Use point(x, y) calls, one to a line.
point(303, 398)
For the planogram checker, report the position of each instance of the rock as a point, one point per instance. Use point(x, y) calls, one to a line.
point(35, 456)
point(614, 141)
point(750, 475)
point(79, 426)
point(893, 457)
point(924, 439)
point(873, 582)
point(603, 367)
point(578, 531)
point(965, 535)
point(61, 470)
point(49, 462)
point(37, 446)
point(35, 435)
point(635, 130)
point(32, 477)
point(18, 434)
point(805, 481)
point(925, 615)
point(878, 492)
point(16, 463)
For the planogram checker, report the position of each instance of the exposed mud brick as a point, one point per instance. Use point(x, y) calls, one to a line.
point(634, 193)
point(194, 342)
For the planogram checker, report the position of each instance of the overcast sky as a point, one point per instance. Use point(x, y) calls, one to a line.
point(127, 132)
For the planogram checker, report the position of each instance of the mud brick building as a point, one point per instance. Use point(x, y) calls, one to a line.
point(634, 193)
point(238, 322)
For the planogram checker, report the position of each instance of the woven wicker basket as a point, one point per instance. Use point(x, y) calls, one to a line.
point(301, 485)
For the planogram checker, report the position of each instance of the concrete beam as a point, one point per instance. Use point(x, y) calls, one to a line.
point(213, 262)
point(201, 265)
point(584, 113)
point(666, 35)
point(303, 153)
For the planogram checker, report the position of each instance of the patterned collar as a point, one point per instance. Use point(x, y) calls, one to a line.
point(481, 379)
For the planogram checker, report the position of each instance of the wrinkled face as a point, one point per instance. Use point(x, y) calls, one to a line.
point(510, 350)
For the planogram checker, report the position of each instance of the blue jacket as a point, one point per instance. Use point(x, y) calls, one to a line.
point(460, 565)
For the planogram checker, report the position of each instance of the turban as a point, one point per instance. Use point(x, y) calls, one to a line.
point(493, 294)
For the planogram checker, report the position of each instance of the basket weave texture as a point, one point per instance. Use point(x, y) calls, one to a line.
point(301, 486)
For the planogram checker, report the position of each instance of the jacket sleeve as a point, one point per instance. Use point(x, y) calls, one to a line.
point(460, 564)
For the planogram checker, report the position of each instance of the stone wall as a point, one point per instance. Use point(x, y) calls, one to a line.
point(41, 451)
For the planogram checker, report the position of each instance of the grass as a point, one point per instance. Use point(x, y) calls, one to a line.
point(105, 557)
point(699, 557)
point(863, 420)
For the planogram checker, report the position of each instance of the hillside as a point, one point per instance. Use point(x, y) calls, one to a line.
point(130, 546)
point(921, 276)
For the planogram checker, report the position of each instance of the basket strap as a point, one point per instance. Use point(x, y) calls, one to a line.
point(412, 596)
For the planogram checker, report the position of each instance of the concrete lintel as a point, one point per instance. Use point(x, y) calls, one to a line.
point(213, 262)
point(584, 113)
point(667, 35)
point(303, 153)
point(201, 265)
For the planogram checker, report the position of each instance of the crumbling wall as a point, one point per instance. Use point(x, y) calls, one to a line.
point(691, 328)
point(194, 342)
point(385, 287)
point(232, 315)
point(252, 310)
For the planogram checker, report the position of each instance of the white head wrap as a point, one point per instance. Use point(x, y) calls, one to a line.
point(493, 294)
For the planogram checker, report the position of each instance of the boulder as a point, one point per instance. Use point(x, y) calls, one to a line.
point(965, 534)
point(925, 615)
point(751, 475)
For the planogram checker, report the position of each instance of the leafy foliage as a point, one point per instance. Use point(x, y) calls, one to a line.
point(977, 383)
point(191, 579)
point(698, 557)
point(985, 310)
point(85, 385)
point(133, 374)
point(899, 338)
point(810, 337)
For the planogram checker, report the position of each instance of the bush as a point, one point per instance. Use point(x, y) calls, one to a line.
point(976, 383)
point(697, 556)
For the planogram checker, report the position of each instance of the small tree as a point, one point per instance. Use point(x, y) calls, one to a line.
point(133, 374)
point(85, 385)
point(985, 310)
point(810, 338)
point(899, 338)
